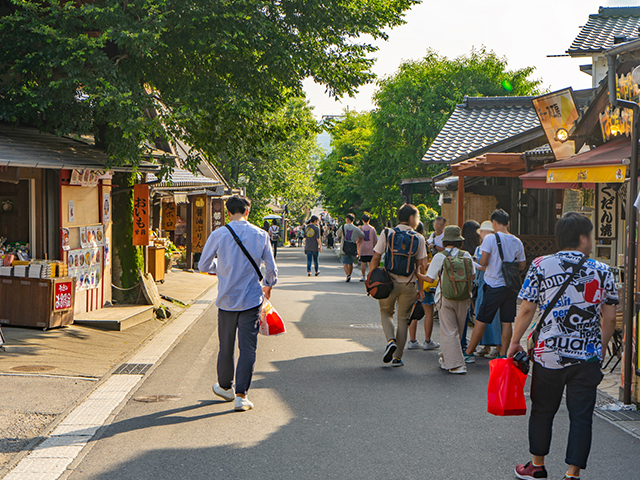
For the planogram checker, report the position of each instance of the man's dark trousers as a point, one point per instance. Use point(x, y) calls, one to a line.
point(547, 385)
point(246, 324)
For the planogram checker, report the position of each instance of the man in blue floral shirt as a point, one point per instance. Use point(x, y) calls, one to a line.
point(570, 347)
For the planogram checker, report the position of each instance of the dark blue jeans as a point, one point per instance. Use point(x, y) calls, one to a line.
point(246, 324)
point(312, 256)
point(547, 385)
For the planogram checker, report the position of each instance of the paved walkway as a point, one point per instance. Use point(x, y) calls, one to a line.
point(326, 407)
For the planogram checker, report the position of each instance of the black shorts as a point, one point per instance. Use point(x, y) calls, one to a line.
point(366, 258)
point(495, 299)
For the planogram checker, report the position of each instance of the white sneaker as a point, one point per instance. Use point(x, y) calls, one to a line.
point(228, 395)
point(441, 362)
point(413, 345)
point(243, 404)
point(430, 345)
point(459, 370)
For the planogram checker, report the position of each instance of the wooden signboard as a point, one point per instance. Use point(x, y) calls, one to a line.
point(141, 214)
point(217, 216)
point(606, 212)
point(199, 223)
point(169, 216)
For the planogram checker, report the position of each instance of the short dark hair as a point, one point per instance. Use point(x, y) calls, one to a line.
point(420, 228)
point(274, 222)
point(440, 217)
point(313, 219)
point(406, 211)
point(500, 216)
point(366, 217)
point(569, 229)
point(237, 204)
point(457, 244)
point(351, 216)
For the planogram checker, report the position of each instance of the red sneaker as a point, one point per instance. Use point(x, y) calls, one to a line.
point(530, 472)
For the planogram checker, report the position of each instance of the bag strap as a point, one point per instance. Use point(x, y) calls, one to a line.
point(499, 247)
point(244, 250)
point(560, 292)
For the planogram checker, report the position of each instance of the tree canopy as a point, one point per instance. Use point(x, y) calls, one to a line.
point(200, 71)
point(411, 107)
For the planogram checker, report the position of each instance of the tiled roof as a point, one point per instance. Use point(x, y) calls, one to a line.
point(599, 32)
point(483, 124)
point(184, 178)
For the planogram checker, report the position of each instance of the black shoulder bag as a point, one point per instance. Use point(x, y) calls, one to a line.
point(244, 250)
point(533, 338)
point(510, 270)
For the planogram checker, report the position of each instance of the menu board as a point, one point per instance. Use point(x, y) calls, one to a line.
point(91, 237)
point(85, 264)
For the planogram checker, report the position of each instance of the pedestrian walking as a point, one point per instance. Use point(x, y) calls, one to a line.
point(234, 254)
point(492, 337)
point(330, 239)
point(312, 244)
point(404, 251)
point(471, 242)
point(427, 303)
point(366, 245)
point(454, 267)
point(573, 333)
point(274, 234)
point(300, 235)
point(434, 242)
point(500, 249)
point(349, 235)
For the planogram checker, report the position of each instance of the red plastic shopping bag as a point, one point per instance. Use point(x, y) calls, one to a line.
point(505, 393)
point(270, 321)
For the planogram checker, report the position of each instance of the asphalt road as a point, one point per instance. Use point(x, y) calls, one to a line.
point(326, 407)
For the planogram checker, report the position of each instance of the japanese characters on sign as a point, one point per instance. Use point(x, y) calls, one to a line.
point(62, 296)
point(615, 122)
point(199, 227)
point(169, 216)
point(141, 214)
point(218, 220)
point(606, 212)
point(557, 111)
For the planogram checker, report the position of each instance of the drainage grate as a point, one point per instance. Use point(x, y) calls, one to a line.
point(133, 369)
point(202, 302)
point(620, 415)
point(156, 398)
point(33, 368)
point(374, 326)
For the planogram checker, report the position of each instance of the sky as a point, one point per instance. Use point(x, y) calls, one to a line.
point(523, 31)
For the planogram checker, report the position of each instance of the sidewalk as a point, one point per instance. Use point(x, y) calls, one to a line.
point(45, 373)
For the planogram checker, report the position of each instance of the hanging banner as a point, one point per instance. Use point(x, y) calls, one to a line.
point(218, 220)
point(106, 207)
point(588, 174)
point(558, 114)
point(141, 214)
point(606, 212)
point(198, 229)
point(169, 216)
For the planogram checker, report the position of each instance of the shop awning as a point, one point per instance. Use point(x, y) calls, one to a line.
point(604, 164)
point(537, 179)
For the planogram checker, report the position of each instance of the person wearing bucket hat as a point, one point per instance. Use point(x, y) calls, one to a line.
point(456, 271)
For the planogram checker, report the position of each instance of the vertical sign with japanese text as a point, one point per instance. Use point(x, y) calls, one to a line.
point(141, 214)
point(169, 216)
point(606, 212)
point(199, 227)
point(217, 215)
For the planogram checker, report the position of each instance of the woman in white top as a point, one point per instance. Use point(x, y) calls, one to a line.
point(274, 235)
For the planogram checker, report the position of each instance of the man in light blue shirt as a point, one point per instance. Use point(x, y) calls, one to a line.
point(240, 296)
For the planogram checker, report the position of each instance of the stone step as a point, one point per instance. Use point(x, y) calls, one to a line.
point(117, 317)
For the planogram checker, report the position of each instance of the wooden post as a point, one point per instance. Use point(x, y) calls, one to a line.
point(189, 236)
point(460, 219)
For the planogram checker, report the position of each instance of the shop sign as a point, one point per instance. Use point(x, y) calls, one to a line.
point(606, 212)
point(169, 216)
point(557, 112)
point(62, 296)
point(615, 122)
point(199, 218)
point(141, 214)
point(218, 220)
point(588, 174)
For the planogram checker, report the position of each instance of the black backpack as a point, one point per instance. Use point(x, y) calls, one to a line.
point(402, 247)
point(510, 270)
point(349, 248)
point(379, 284)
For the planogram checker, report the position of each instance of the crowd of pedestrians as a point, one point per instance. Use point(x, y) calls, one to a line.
point(473, 272)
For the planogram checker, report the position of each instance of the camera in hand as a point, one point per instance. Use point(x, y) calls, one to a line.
point(521, 359)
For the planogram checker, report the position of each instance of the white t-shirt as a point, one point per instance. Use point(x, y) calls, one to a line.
point(436, 239)
point(435, 267)
point(513, 252)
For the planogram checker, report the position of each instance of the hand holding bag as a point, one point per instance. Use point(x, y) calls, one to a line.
point(270, 321)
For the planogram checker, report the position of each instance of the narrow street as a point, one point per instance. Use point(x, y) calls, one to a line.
point(326, 407)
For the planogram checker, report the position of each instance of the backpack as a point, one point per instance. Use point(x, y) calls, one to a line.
point(349, 248)
point(275, 234)
point(402, 247)
point(457, 276)
point(378, 284)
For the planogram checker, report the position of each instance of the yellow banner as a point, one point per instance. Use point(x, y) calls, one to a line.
point(595, 174)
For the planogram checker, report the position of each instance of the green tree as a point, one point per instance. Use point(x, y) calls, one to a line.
point(411, 107)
